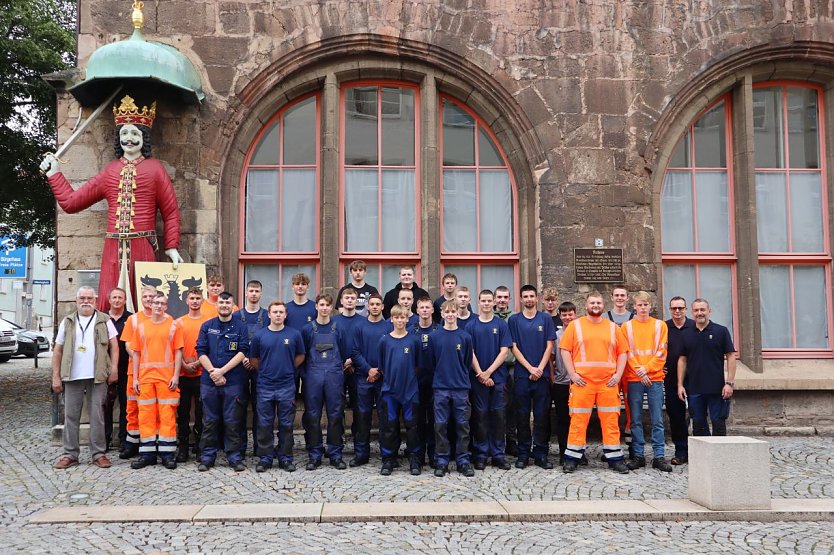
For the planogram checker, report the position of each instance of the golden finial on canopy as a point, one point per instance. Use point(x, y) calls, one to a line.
point(138, 18)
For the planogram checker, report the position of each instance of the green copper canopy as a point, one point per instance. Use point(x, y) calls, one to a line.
point(139, 63)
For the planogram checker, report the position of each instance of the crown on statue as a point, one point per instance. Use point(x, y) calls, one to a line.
point(128, 112)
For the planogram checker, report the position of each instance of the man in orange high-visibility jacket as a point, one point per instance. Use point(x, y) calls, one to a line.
point(157, 358)
point(647, 342)
point(594, 351)
point(148, 293)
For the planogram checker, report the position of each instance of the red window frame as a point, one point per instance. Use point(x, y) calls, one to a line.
point(278, 257)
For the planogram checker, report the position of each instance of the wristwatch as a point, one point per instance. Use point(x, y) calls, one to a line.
point(731, 384)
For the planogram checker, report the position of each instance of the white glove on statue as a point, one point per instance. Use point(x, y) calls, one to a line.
point(175, 257)
point(49, 166)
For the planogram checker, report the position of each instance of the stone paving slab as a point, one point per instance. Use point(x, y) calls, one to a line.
point(117, 513)
point(413, 512)
point(261, 512)
point(542, 511)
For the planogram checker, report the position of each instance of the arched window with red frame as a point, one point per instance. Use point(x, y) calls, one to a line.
point(280, 209)
point(698, 239)
point(380, 192)
point(479, 239)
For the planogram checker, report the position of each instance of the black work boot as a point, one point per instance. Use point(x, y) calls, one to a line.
point(636, 462)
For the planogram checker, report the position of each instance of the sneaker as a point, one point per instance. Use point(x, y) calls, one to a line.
point(569, 467)
point(338, 464)
point(64, 463)
point(288, 466)
point(441, 471)
point(480, 465)
point(679, 460)
point(467, 470)
point(358, 461)
point(203, 467)
point(661, 464)
point(387, 467)
point(544, 463)
point(619, 466)
point(238, 466)
point(312, 465)
point(103, 462)
point(521, 463)
point(142, 462)
point(501, 463)
point(170, 464)
point(636, 462)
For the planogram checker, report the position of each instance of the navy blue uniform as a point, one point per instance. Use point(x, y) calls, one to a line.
point(299, 315)
point(255, 322)
point(223, 405)
point(365, 355)
point(398, 361)
point(704, 351)
point(450, 352)
point(489, 403)
point(425, 408)
point(276, 352)
point(324, 383)
point(530, 336)
point(675, 408)
point(347, 332)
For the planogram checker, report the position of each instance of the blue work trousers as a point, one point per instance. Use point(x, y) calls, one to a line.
point(367, 396)
point(425, 418)
point(451, 406)
point(224, 407)
point(489, 406)
point(271, 402)
point(324, 387)
point(532, 396)
point(389, 426)
point(654, 393)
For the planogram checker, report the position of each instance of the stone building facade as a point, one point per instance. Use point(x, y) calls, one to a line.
point(505, 134)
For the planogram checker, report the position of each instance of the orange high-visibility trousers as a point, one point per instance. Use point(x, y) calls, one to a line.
point(132, 411)
point(581, 404)
point(157, 419)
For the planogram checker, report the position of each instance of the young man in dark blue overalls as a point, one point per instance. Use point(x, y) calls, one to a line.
point(324, 382)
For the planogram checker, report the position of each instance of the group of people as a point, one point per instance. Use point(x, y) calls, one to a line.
point(459, 385)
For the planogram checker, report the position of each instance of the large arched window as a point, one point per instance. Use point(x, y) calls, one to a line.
point(478, 234)
point(697, 226)
point(280, 208)
point(794, 261)
point(379, 192)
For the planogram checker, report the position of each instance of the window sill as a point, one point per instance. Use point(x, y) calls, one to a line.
point(787, 374)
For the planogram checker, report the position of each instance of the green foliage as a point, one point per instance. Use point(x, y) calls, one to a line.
point(36, 37)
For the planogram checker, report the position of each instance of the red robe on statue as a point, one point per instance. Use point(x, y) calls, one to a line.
point(152, 191)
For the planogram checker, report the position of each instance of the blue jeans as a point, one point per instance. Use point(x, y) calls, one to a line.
point(655, 393)
point(718, 408)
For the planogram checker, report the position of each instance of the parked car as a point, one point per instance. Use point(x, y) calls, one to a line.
point(8, 344)
point(29, 342)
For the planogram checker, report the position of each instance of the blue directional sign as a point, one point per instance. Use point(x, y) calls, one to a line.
point(12, 259)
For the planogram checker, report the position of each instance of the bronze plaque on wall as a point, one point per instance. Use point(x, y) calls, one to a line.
point(598, 265)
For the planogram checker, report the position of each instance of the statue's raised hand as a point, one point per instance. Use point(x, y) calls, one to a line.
point(49, 166)
point(175, 257)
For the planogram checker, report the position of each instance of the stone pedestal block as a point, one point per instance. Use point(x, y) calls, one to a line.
point(729, 473)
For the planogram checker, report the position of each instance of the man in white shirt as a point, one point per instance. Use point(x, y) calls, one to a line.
point(85, 360)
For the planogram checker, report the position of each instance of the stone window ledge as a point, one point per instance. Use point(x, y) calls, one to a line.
point(787, 374)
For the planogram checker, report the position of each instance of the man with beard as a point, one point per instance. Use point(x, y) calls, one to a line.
point(533, 335)
point(702, 365)
point(595, 352)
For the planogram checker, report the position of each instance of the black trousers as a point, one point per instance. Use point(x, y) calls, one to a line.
point(189, 393)
point(560, 393)
point(676, 410)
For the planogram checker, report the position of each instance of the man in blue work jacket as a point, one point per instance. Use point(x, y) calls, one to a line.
point(222, 345)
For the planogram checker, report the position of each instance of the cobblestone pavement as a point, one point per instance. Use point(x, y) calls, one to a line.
point(802, 467)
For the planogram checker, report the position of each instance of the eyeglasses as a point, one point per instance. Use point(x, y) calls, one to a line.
point(159, 303)
point(677, 308)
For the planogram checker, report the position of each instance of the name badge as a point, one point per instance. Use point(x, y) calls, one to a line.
point(82, 349)
point(233, 345)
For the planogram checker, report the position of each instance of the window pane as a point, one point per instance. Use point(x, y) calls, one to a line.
point(678, 280)
point(493, 276)
point(710, 139)
point(397, 126)
point(767, 127)
point(458, 136)
point(806, 212)
point(361, 210)
point(677, 222)
point(715, 285)
point(496, 212)
point(775, 306)
point(803, 128)
point(267, 274)
point(298, 211)
point(488, 153)
point(713, 212)
point(811, 307)
point(459, 223)
point(261, 210)
point(467, 277)
point(398, 211)
point(300, 133)
point(680, 158)
point(771, 212)
point(391, 277)
point(266, 153)
point(361, 126)
point(288, 271)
